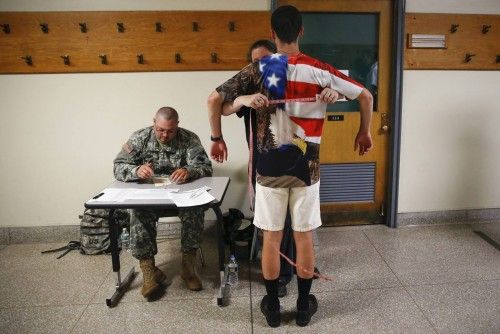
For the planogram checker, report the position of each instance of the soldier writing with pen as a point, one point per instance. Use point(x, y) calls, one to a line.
point(159, 150)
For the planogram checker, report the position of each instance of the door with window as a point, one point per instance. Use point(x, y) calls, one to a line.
point(355, 37)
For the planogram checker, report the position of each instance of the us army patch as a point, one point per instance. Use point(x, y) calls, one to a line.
point(128, 148)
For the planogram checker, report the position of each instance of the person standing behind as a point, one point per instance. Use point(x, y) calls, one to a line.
point(164, 149)
point(288, 139)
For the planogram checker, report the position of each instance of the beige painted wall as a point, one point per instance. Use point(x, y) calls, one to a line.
point(450, 121)
point(59, 133)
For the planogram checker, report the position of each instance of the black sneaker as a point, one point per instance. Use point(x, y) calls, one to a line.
point(273, 318)
point(304, 316)
point(282, 291)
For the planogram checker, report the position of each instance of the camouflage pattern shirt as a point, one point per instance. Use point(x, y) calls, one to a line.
point(183, 151)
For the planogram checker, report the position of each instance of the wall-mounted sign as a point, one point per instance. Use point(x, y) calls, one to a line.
point(336, 118)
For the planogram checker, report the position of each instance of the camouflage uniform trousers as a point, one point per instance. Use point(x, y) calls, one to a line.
point(143, 230)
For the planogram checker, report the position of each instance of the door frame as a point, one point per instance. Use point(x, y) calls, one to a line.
point(391, 218)
point(391, 205)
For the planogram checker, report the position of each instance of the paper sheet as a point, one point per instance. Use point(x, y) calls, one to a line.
point(193, 197)
point(151, 194)
point(123, 194)
point(111, 195)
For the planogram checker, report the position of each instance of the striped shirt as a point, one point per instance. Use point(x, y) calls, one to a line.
point(289, 133)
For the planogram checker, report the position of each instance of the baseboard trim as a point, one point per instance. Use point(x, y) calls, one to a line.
point(449, 217)
point(66, 233)
point(171, 230)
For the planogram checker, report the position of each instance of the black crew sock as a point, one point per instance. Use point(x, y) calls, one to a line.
point(272, 292)
point(304, 285)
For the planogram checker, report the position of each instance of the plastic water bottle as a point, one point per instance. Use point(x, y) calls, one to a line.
point(125, 239)
point(232, 269)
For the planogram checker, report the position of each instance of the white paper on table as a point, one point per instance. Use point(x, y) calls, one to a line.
point(123, 194)
point(193, 197)
point(112, 195)
point(151, 194)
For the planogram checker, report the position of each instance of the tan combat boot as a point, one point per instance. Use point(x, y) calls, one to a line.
point(148, 273)
point(190, 270)
point(158, 274)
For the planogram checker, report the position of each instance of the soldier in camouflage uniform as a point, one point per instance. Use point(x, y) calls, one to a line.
point(160, 150)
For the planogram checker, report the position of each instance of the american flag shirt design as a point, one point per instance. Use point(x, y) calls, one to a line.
point(289, 134)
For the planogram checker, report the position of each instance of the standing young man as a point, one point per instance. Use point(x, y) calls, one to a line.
point(218, 150)
point(288, 139)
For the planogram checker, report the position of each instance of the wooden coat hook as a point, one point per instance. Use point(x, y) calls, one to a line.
point(178, 58)
point(5, 28)
point(104, 59)
point(454, 28)
point(468, 57)
point(213, 55)
point(196, 27)
point(158, 26)
point(28, 60)
point(140, 58)
point(44, 27)
point(120, 27)
point(83, 27)
point(65, 59)
point(486, 28)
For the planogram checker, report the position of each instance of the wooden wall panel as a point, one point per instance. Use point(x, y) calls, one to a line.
point(139, 37)
point(467, 39)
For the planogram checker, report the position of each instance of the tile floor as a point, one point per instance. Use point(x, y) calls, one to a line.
point(425, 279)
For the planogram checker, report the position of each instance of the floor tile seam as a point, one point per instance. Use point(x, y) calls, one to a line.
point(433, 225)
point(452, 282)
point(346, 290)
point(165, 300)
point(110, 271)
point(18, 307)
point(403, 287)
point(434, 327)
point(79, 318)
point(383, 259)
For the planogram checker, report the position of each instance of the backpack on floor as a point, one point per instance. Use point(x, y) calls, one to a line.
point(94, 229)
point(237, 228)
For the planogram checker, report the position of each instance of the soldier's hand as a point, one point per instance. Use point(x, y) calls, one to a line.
point(145, 171)
point(179, 175)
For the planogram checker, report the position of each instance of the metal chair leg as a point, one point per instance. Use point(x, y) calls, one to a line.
point(202, 258)
point(253, 250)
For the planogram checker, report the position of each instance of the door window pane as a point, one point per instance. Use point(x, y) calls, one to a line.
point(347, 42)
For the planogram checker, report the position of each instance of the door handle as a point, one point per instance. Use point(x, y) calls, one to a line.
point(384, 122)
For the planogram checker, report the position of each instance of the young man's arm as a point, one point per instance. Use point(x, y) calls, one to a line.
point(353, 90)
point(363, 138)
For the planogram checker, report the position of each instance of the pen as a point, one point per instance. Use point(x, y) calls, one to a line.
point(97, 196)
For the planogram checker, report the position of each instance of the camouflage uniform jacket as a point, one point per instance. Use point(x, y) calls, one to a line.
point(183, 151)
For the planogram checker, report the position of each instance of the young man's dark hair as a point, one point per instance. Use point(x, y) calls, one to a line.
point(261, 43)
point(286, 22)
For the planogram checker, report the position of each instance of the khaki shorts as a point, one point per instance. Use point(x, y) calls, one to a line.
point(271, 205)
